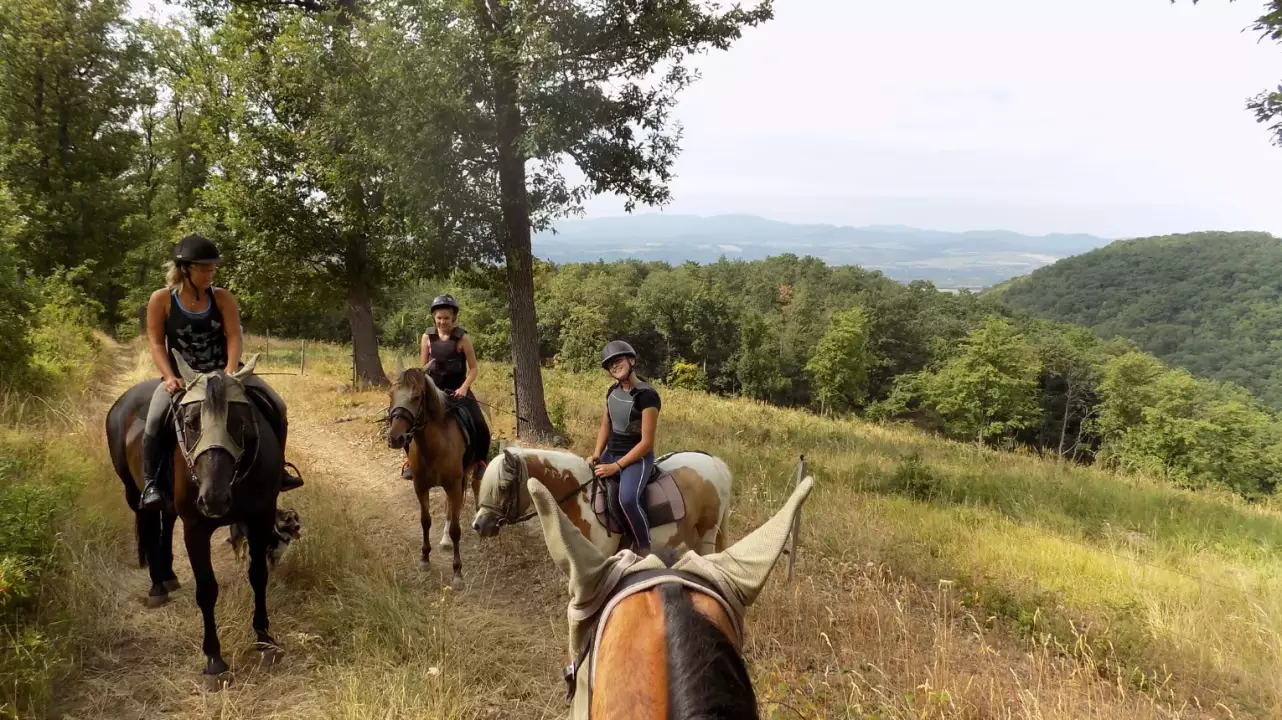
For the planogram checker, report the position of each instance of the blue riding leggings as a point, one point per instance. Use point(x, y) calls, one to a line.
point(632, 482)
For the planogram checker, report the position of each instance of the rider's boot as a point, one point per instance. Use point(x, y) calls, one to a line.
point(151, 498)
point(288, 480)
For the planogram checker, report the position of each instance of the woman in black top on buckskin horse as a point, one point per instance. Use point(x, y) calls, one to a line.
point(625, 443)
point(446, 352)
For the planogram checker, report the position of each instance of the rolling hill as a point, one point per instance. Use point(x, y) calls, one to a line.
point(1210, 302)
point(973, 260)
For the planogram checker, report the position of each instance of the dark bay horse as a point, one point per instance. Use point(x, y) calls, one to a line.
point(227, 467)
point(417, 411)
point(661, 637)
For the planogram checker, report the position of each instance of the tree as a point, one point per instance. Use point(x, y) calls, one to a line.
point(990, 388)
point(1267, 106)
point(15, 298)
point(302, 181)
point(562, 79)
point(66, 98)
point(838, 368)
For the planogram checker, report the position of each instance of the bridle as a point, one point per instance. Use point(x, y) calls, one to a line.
point(510, 493)
point(416, 420)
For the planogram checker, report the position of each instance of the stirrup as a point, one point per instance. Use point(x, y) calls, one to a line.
point(291, 480)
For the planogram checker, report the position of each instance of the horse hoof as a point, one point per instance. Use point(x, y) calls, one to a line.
point(457, 583)
point(446, 544)
point(216, 682)
point(155, 600)
point(269, 655)
point(171, 585)
point(424, 565)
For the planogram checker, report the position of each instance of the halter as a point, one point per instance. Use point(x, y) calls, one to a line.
point(512, 503)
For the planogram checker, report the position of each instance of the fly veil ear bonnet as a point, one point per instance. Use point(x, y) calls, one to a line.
point(737, 574)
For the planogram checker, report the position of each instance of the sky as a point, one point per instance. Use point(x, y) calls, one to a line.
point(1113, 117)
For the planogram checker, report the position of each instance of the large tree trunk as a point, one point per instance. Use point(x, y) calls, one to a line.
point(533, 422)
point(360, 316)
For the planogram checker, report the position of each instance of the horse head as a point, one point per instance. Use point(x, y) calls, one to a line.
point(413, 402)
point(216, 422)
point(502, 498)
point(672, 631)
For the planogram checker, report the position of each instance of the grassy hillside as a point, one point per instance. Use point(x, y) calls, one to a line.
point(1209, 302)
point(936, 580)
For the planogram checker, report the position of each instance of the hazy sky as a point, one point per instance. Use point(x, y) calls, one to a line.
point(1114, 117)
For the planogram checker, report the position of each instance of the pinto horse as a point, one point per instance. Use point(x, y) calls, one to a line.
point(417, 413)
point(703, 480)
point(661, 637)
point(227, 468)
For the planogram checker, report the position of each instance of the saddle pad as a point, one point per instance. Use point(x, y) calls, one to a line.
point(664, 503)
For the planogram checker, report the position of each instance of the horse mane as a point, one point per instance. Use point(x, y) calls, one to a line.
point(708, 679)
point(418, 381)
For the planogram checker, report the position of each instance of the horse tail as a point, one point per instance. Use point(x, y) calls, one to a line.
point(142, 549)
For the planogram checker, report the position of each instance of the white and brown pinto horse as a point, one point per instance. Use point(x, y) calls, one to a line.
point(704, 482)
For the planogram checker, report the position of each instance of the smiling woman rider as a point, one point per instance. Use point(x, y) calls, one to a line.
point(625, 442)
point(200, 322)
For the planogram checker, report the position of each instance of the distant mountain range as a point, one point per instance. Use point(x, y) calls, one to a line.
point(974, 260)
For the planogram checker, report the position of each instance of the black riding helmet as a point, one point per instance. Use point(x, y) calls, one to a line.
point(192, 250)
point(195, 249)
point(614, 349)
point(445, 301)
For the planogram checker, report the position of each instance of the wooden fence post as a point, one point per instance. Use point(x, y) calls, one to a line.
point(796, 521)
point(302, 359)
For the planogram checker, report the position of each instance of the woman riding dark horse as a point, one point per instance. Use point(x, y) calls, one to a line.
point(447, 354)
point(625, 443)
point(201, 323)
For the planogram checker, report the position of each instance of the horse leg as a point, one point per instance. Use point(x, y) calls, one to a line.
point(454, 496)
point(259, 532)
point(147, 525)
point(167, 520)
point(197, 536)
point(425, 519)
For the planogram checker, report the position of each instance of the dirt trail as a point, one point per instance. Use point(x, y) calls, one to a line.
point(148, 663)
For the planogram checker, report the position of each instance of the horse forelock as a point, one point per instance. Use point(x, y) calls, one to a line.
point(216, 395)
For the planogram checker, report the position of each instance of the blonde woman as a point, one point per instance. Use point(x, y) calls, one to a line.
point(200, 322)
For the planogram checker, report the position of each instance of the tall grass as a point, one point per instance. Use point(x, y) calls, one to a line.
point(935, 580)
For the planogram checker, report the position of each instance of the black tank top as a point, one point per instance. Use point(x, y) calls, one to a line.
point(448, 366)
point(198, 336)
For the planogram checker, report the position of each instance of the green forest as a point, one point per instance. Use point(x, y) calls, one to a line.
point(353, 158)
point(1208, 302)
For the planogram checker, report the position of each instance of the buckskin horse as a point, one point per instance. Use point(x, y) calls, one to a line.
point(227, 467)
point(439, 455)
point(687, 500)
point(661, 637)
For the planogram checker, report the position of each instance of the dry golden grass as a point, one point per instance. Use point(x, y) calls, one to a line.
point(980, 590)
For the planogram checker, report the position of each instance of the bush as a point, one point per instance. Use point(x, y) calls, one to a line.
point(63, 340)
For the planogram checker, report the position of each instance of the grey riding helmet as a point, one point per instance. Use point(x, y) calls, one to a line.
point(445, 300)
point(614, 349)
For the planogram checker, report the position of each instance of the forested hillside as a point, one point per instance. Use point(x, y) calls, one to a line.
point(1209, 302)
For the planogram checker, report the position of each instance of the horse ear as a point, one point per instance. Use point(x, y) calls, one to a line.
point(188, 375)
point(745, 566)
point(578, 559)
point(248, 370)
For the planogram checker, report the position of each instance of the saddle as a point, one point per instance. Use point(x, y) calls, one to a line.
point(664, 503)
point(476, 434)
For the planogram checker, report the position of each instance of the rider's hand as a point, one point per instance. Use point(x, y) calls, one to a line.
point(594, 459)
point(606, 471)
point(460, 394)
point(173, 385)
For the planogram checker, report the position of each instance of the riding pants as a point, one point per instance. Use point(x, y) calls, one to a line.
point(632, 482)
